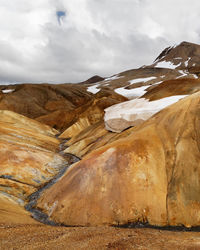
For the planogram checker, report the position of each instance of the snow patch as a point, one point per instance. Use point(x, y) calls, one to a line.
point(115, 77)
point(183, 73)
point(146, 79)
point(186, 62)
point(158, 83)
point(132, 93)
point(93, 89)
point(139, 109)
point(195, 76)
point(6, 91)
point(168, 65)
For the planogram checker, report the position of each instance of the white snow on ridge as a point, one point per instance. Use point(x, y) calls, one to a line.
point(137, 110)
point(157, 83)
point(132, 93)
point(6, 91)
point(141, 105)
point(183, 73)
point(195, 76)
point(146, 79)
point(168, 65)
point(153, 106)
point(115, 77)
point(93, 89)
point(186, 62)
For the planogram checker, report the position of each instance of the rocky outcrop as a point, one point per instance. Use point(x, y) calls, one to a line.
point(149, 176)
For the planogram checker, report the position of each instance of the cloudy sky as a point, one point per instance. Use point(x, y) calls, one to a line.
point(72, 40)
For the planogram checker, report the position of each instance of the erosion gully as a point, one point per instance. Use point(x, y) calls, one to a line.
point(31, 206)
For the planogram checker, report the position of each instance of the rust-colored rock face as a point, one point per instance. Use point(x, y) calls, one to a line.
point(150, 176)
point(28, 153)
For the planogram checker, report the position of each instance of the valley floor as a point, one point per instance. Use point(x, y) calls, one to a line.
point(40, 236)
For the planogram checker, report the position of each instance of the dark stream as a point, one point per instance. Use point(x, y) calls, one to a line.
point(31, 206)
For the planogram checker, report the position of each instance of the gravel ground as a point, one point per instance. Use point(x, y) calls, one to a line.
point(51, 237)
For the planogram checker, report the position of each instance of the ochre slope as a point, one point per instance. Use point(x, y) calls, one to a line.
point(185, 86)
point(39, 101)
point(58, 106)
point(150, 176)
point(29, 158)
point(92, 113)
point(12, 213)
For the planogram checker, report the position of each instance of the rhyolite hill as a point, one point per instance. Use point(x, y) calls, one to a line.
point(121, 149)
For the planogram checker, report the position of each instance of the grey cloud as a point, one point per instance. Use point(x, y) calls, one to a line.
point(96, 37)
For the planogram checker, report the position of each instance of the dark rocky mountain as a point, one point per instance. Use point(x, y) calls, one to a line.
point(183, 56)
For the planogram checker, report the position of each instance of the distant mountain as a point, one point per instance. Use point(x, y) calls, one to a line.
point(94, 79)
point(183, 56)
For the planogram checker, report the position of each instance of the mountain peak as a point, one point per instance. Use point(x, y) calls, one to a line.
point(183, 56)
point(94, 79)
point(185, 43)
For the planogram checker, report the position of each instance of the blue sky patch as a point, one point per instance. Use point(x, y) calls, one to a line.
point(60, 14)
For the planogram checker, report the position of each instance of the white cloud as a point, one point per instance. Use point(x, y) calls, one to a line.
point(95, 37)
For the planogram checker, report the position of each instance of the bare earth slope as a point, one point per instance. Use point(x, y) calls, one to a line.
point(29, 158)
point(52, 104)
point(150, 176)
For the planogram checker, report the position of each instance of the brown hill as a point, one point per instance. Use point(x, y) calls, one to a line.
point(150, 176)
point(181, 61)
point(29, 158)
point(93, 79)
point(184, 56)
point(184, 86)
point(51, 104)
